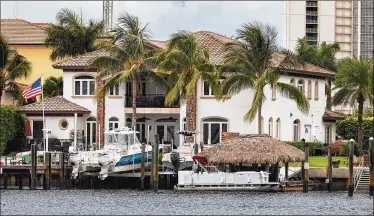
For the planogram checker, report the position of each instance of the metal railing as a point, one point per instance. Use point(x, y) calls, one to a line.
point(312, 38)
point(311, 4)
point(359, 171)
point(311, 30)
point(312, 13)
point(312, 21)
point(150, 100)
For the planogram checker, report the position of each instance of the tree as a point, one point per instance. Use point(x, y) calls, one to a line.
point(13, 66)
point(186, 63)
point(70, 36)
point(354, 83)
point(126, 60)
point(249, 61)
point(53, 86)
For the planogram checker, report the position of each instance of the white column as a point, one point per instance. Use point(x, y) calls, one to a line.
point(75, 131)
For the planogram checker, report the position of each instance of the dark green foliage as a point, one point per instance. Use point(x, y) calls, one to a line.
point(12, 125)
point(312, 145)
point(347, 128)
point(53, 86)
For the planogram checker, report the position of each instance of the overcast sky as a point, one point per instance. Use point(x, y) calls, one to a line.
point(164, 17)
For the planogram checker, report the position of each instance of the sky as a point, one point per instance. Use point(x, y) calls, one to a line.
point(163, 17)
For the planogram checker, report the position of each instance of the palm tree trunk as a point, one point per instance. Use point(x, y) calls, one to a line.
point(328, 99)
point(134, 97)
point(259, 119)
point(191, 111)
point(360, 135)
point(1, 94)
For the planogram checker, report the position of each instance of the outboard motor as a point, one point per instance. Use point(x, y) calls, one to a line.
point(104, 162)
point(175, 159)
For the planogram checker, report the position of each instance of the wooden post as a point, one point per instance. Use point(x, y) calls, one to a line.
point(5, 180)
point(34, 162)
point(276, 171)
point(152, 165)
point(47, 172)
point(329, 169)
point(306, 167)
point(20, 181)
point(142, 167)
point(350, 174)
point(62, 170)
point(371, 158)
point(286, 171)
point(155, 165)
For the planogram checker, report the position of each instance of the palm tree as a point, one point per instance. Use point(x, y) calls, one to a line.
point(186, 63)
point(354, 81)
point(126, 62)
point(249, 60)
point(13, 66)
point(53, 86)
point(70, 36)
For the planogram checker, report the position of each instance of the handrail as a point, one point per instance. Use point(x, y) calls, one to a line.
point(358, 172)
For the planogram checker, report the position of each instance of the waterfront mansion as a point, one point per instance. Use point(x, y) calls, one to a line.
point(281, 118)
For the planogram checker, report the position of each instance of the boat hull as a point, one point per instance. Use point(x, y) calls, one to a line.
point(131, 162)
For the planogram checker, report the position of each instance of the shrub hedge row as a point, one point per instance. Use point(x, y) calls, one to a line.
point(12, 125)
point(314, 145)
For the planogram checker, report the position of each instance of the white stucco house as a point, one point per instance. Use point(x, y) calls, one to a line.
point(281, 117)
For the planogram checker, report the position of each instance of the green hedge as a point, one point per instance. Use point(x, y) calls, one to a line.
point(347, 128)
point(314, 145)
point(12, 125)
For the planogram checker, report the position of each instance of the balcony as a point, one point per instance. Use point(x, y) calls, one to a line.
point(312, 13)
point(311, 30)
point(311, 4)
point(312, 38)
point(311, 21)
point(150, 101)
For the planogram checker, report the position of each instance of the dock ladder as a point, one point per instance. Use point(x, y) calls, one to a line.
point(361, 179)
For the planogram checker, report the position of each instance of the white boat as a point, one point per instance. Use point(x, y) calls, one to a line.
point(181, 158)
point(122, 155)
point(209, 179)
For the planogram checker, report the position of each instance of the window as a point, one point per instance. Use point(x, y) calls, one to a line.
point(207, 91)
point(212, 129)
point(113, 123)
point(270, 127)
point(278, 129)
point(292, 82)
point(84, 85)
point(128, 122)
point(300, 85)
point(309, 89)
point(63, 124)
point(90, 131)
point(296, 130)
point(328, 134)
point(316, 90)
point(184, 124)
point(114, 90)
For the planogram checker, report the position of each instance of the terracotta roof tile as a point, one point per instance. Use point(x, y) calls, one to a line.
point(331, 115)
point(19, 31)
point(214, 43)
point(56, 104)
point(80, 61)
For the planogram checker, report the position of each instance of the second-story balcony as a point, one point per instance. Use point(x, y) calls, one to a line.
point(150, 101)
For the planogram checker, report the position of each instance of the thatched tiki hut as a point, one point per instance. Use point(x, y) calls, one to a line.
point(260, 151)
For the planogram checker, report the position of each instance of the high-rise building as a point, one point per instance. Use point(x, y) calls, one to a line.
point(347, 22)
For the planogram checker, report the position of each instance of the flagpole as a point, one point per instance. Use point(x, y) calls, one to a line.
point(44, 127)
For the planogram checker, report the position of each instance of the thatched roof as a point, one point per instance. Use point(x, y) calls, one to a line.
point(252, 149)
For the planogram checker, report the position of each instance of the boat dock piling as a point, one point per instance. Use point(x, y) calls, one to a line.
point(329, 168)
point(142, 167)
point(305, 167)
point(155, 163)
point(350, 173)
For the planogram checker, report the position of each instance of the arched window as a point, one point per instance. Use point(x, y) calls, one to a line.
point(296, 130)
point(309, 89)
point(113, 123)
point(128, 122)
point(316, 90)
point(212, 129)
point(278, 129)
point(84, 85)
point(292, 81)
point(270, 127)
point(300, 85)
point(90, 131)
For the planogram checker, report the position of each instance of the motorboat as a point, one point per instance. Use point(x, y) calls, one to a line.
point(123, 154)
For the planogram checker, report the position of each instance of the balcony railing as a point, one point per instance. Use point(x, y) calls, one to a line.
point(312, 21)
point(311, 4)
point(312, 38)
point(150, 101)
point(311, 30)
point(312, 13)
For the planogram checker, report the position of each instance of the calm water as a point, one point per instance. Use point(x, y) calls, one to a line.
point(104, 202)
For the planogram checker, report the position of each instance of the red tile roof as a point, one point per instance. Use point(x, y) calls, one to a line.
point(331, 115)
point(214, 43)
point(56, 104)
point(19, 31)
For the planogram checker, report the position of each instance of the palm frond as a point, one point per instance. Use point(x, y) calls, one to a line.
point(296, 95)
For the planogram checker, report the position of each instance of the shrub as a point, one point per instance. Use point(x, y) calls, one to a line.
point(347, 128)
point(12, 125)
point(337, 148)
point(299, 145)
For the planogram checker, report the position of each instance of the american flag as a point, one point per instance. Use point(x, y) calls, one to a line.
point(33, 90)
